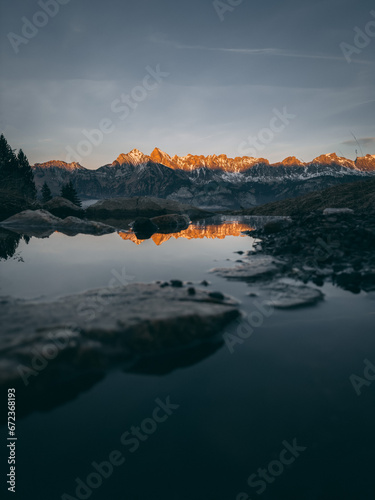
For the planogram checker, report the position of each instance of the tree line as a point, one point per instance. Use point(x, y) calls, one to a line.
point(17, 178)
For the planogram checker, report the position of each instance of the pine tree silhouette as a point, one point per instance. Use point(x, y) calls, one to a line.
point(68, 192)
point(8, 166)
point(26, 175)
point(17, 185)
point(46, 193)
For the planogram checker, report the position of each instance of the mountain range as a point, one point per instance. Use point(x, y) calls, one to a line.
point(208, 181)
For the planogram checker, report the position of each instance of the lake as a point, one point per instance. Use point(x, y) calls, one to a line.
point(275, 416)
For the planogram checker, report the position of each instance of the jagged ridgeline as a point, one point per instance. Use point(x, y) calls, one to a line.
point(205, 181)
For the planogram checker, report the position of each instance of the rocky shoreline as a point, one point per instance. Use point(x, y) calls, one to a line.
point(149, 214)
point(336, 247)
point(324, 236)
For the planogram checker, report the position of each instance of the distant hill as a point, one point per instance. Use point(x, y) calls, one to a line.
point(359, 196)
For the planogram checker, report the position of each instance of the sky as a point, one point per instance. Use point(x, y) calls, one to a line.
point(87, 80)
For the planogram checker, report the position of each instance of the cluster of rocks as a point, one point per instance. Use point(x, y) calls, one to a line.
point(151, 215)
point(336, 245)
point(266, 274)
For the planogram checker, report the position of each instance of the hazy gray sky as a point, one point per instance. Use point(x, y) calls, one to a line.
point(223, 71)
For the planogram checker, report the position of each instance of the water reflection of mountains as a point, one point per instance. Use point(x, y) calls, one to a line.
point(10, 240)
point(195, 231)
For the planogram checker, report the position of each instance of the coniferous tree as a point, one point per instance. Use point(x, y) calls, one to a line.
point(46, 193)
point(8, 165)
point(26, 175)
point(16, 175)
point(17, 187)
point(68, 192)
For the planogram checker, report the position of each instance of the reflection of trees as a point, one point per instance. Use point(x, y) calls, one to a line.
point(9, 242)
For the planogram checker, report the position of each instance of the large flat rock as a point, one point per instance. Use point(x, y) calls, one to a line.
point(34, 222)
point(32, 218)
point(256, 267)
point(136, 317)
point(289, 296)
point(46, 346)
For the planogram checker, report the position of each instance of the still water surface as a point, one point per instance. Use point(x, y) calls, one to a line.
point(289, 380)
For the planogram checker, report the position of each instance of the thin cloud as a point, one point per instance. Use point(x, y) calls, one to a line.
point(365, 141)
point(266, 52)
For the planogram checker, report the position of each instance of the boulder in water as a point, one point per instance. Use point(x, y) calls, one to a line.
point(171, 223)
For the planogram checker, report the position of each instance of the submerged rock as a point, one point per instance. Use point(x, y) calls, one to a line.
point(43, 223)
point(286, 296)
point(255, 268)
point(48, 344)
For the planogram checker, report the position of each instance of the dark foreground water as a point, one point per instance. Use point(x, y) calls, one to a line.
point(234, 417)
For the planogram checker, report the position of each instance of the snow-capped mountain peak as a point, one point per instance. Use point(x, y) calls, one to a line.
point(332, 158)
point(59, 164)
point(134, 157)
